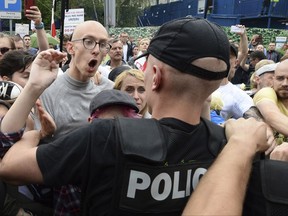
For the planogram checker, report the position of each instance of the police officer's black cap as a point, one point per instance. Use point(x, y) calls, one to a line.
point(179, 42)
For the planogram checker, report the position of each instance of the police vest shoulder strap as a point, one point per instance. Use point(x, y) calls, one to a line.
point(218, 140)
point(141, 137)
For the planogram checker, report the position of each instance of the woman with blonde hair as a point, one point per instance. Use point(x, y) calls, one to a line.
point(132, 82)
point(143, 45)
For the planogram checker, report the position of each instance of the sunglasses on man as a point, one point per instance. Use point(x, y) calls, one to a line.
point(4, 49)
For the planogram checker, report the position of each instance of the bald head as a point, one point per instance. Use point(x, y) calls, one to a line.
point(280, 81)
point(211, 64)
point(88, 26)
point(86, 54)
point(282, 67)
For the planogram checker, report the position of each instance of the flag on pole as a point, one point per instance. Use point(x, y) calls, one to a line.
point(53, 28)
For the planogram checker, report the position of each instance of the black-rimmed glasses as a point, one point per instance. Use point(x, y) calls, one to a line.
point(4, 50)
point(90, 44)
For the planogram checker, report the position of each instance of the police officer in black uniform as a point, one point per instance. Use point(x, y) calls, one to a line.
point(140, 166)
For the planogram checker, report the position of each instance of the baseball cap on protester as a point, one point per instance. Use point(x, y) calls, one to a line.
point(266, 69)
point(112, 97)
point(179, 42)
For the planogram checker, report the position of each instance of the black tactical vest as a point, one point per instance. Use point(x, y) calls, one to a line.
point(145, 184)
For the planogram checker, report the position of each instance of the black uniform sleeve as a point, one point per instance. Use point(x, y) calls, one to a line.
point(62, 161)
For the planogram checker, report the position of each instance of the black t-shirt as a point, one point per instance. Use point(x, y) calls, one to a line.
point(88, 157)
point(241, 76)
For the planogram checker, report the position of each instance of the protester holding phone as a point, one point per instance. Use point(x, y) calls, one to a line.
point(33, 13)
point(28, 4)
point(237, 29)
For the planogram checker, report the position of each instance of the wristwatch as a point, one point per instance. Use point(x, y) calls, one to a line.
point(40, 26)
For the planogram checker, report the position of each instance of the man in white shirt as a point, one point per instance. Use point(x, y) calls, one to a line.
point(127, 47)
point(235, 101)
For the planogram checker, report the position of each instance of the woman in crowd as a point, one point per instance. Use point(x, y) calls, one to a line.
point(143, 45)
point(132, 82)
point(135, 51)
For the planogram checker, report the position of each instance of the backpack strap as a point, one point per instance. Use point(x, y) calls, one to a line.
point(215, 143)
point(146, 133)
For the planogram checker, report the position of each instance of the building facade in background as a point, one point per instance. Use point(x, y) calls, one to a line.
point(223, 12)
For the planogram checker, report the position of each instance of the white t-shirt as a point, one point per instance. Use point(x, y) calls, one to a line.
point(104, 70)
point(235, 101)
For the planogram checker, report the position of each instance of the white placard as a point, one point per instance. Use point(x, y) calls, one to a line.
point(73, 17)
point(281, 39)
point(69, 29)
point(280, 42)
point(21, 29)
point(32, 25)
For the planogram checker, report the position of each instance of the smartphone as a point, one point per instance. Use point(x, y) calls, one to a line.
point(29, 3)
point(236, 29)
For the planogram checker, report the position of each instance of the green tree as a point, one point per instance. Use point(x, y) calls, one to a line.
point(127, 11)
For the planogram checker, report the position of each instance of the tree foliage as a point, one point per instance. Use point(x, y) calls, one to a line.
point(45, 7)
point(267, 34)
point(127, 11)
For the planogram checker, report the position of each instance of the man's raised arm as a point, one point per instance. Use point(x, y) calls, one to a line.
point(221, 190)
point(19, 164)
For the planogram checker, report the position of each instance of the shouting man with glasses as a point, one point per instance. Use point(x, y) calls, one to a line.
point(67, 99)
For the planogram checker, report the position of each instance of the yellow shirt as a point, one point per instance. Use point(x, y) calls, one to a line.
point(269, 94)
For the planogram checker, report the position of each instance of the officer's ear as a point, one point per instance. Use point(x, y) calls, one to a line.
point(157, 77)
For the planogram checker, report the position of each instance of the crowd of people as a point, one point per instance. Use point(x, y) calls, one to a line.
point(125, 128)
